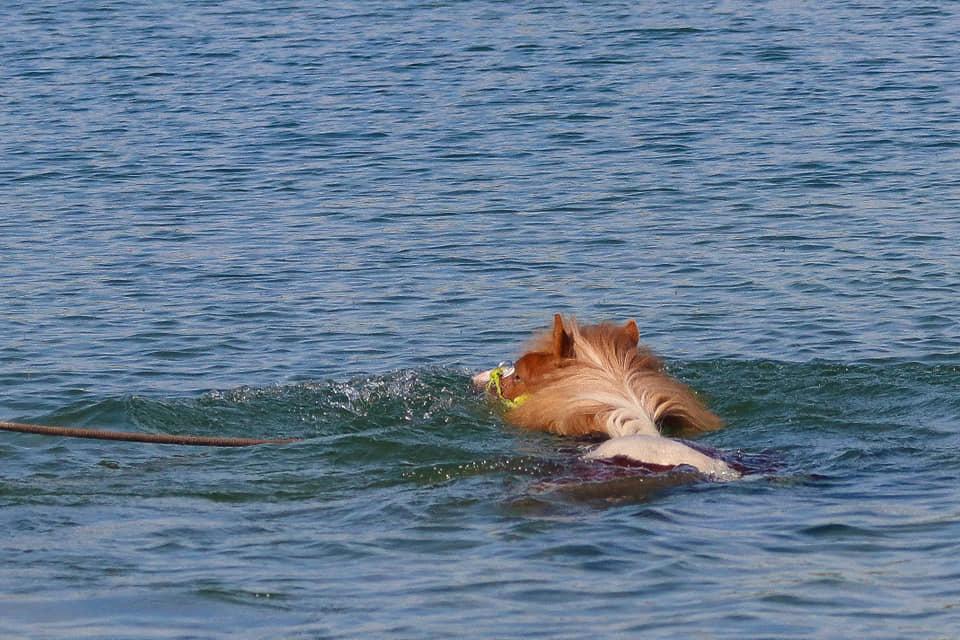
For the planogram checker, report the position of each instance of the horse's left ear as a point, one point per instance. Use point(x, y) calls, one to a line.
point(562, 342)
point(631, 331)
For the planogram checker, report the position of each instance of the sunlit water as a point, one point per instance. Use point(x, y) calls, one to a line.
point(313, 222)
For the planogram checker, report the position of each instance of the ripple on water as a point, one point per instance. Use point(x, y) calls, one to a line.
point(310, 222)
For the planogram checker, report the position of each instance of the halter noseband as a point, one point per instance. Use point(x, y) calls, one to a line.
point(504, 370)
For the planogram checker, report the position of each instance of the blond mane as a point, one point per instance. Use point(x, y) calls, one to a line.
point(608, 384)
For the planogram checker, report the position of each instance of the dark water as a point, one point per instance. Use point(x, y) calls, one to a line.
point(282, 220)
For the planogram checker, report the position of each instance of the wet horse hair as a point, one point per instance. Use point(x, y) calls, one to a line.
point(598, 379)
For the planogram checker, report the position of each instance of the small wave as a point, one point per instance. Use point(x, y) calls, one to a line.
point(406, 399)
point(425, 426)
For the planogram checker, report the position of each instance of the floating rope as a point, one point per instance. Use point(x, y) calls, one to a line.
point(130, 436)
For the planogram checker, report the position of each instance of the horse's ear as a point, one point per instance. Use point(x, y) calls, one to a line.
point(562, 342)
point(631, 331)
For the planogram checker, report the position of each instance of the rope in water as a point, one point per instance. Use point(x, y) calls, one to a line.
point(209, 441)
point(129, 436)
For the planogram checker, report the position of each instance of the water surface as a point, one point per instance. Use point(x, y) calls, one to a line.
point(314, 222)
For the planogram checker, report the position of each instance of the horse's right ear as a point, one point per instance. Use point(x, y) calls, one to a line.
point(562, 342)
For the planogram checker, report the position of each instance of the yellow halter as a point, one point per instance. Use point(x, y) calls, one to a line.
point(494, 385)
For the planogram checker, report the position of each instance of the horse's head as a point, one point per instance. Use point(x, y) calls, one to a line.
point(554, 352)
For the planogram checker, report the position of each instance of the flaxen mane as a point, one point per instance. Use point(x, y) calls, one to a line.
point(603, 382)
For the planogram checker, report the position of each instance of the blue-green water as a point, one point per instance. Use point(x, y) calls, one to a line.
point(314, 221)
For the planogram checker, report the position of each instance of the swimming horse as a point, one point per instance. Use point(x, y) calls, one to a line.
point(599, 380)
